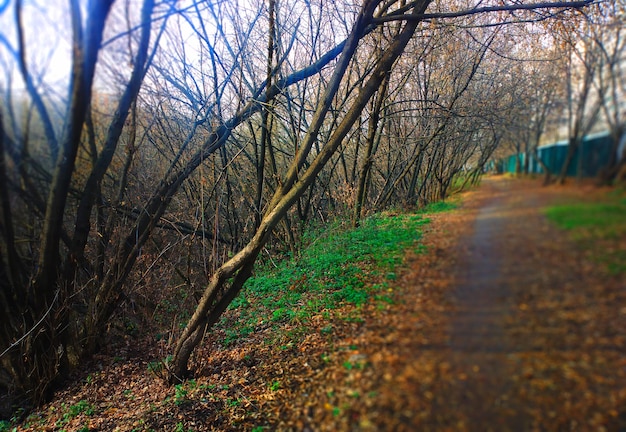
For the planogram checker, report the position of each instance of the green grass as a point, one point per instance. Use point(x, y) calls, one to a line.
point(439, 207)
point(334, 262)
point(336, 268)
point(80, 407)
point(590, 223)
point(605, 219)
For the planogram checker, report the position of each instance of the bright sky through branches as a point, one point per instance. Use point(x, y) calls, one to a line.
point(47, 38)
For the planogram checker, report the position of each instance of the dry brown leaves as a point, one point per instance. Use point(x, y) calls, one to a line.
point(390, 366)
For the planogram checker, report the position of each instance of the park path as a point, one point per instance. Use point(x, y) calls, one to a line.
point(533, 336)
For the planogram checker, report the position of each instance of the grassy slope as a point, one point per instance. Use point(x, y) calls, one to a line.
point(311, 303)
point(339, 266)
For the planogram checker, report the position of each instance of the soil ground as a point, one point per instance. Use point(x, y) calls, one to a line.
point(505, 323)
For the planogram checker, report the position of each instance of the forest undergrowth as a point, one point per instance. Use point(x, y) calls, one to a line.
point(294, 325)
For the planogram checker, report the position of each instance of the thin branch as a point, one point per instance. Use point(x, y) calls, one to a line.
point(33, 328)
point(481, 10)
point(20, 56)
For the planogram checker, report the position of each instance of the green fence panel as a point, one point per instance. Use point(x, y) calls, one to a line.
point(590, 158)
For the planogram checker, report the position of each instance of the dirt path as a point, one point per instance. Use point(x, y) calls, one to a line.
point(534, 330)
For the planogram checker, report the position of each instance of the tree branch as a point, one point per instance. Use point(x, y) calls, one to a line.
point(485, 9)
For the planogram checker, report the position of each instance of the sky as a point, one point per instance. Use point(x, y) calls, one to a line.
point(47, 35)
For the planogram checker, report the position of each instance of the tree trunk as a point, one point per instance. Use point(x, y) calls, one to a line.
point(240, 266)
point(571, 150)
point(616, 163)
point(370, 150)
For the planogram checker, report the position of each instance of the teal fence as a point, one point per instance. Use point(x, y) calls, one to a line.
point(592, 156)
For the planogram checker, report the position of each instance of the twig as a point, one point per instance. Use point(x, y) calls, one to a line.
point(17, 342)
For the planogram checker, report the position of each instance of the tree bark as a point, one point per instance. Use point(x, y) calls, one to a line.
point(370, 150)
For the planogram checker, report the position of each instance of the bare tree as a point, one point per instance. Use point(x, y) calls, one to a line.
point(199, 97)
point(608, 36)
point(38, 295)
point(580, 67)
point(228, 280)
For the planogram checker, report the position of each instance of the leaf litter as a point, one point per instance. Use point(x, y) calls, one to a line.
point(387, 364)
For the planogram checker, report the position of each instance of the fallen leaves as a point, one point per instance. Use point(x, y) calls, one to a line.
point(388, 364)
